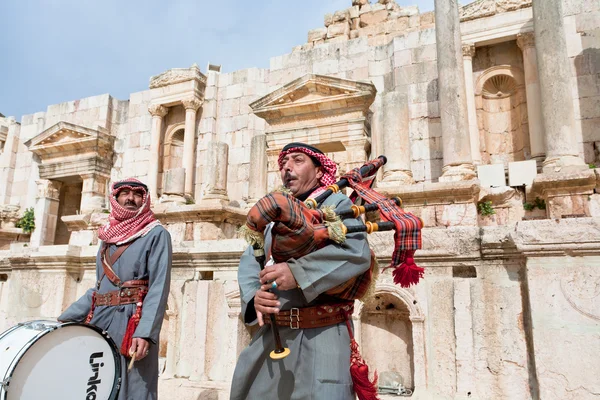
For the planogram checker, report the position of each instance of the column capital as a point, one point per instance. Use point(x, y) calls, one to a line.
point(48, 188)
point(525, 40)
point(157, 110)
point(191, 104)
point(468, 50)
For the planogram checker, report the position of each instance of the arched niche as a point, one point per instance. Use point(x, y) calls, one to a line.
point(502, 115)
point(390, 329)
point(173, 152)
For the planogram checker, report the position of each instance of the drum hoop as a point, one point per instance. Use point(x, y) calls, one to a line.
point(116, 355)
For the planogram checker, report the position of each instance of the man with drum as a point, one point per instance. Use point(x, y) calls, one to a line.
point(133, 271)
point(318, 366)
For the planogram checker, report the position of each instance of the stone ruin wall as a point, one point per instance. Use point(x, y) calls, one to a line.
point(507, 299)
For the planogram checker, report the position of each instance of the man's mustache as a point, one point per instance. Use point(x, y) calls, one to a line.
point(287, 178)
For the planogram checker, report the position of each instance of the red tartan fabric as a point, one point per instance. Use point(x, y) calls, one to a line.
point(298, 231)
point(407, 235)
point(126, 225)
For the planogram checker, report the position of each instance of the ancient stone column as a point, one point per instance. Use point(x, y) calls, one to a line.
point(158, 112)
point(526, 41)
point(396, 141)
point(8, 158)
point(215, 171)
point(93, 193)
point(555, 87)
point(468, 51)
point(258, 168)
point(189, 141)
point(46, 212)
point(458, 164)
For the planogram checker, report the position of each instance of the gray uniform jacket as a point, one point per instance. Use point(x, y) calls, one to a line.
point(319, 364)
point(148, 257)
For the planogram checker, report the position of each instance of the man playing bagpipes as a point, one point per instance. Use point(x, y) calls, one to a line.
point(311, 297)
point(133, 272)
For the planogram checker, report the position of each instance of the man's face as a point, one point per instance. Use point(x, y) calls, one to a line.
point(130, 199)
point(299, 173)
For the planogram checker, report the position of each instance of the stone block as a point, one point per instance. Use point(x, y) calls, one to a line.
point(338, 29)
point(327, 67)
point(378, 7)
point(491, 175)
point(354, 26)
point(427, 20)
point(373, 18)
point(396, 25)
point(377, 68)
point(174, 181)
point(316, 34)
point(353, 12)
point(424, 72)
point(365, 8)
point(590, 129)
point(328, 19)
point(402, 58)
point(341, 15)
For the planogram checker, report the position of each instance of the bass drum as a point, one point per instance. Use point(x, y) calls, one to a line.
point(52, 360)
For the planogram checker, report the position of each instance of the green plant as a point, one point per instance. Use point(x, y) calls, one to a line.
point(537, 203)
point(27, 221)
point(485, 208)
point(592, 165)
point(189, 200)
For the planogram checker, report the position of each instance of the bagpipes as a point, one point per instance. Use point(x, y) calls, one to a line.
point(301, 228)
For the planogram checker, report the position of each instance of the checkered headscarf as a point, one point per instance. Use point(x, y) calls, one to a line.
point(329, 167)
point(127, 225)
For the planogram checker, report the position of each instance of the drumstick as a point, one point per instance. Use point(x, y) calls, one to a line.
point(132, 361)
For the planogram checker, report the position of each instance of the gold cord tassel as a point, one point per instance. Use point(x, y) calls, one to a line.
point(374, 276)
point(329, 214)
point(252, 237)
point(282, 189)
point(336, 231)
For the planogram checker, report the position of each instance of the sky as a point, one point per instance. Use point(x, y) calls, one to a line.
point(52, 51)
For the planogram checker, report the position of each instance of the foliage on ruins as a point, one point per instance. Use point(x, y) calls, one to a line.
point(537, 203)
point(27, 221)
point(485, 208)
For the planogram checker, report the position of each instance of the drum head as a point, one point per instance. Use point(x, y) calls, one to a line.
point(72, 361)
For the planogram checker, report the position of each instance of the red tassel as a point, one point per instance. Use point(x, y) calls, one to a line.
point(131, 327)
point(359, 371)
point(91, 313)
point(408, 273)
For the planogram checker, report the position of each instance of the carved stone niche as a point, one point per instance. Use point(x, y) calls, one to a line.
point(70, 152)
point(66, 149)
point(326, 112)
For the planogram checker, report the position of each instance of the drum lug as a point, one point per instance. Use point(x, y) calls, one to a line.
point(4, 384)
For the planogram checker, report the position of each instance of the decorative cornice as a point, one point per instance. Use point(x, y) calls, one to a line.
point(177, 75)
point(487, 8)
point(191, 104)
point(313, 97)
point(468, 50)
point(157, 110)
point(526, 40)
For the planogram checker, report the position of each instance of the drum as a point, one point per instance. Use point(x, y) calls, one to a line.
point(52, 360)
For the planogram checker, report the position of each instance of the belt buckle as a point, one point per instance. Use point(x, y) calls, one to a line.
point(295, 313)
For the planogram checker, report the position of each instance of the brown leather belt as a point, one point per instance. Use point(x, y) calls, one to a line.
point(313, 317)
point(131, 292)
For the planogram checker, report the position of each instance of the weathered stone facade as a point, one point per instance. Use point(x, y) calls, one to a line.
point(510, 304)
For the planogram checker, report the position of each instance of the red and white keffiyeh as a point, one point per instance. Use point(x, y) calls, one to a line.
point(329, 167)
point(126, 225)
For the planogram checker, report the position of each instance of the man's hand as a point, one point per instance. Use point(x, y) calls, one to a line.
point(265, 303)
point(140, 347)
point(279, 273)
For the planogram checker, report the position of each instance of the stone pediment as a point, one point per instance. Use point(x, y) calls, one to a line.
point(314, 96)
point(65, 139)
point(177, 75)
point(486, 8)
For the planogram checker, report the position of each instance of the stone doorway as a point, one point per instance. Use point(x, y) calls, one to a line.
point(386, 337)
point(69, 203)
